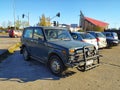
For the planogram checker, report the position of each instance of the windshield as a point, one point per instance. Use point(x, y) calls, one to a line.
point(100, 35)
point(57, 34)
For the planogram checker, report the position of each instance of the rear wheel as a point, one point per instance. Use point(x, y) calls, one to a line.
point(56, 65)
point(25, 54)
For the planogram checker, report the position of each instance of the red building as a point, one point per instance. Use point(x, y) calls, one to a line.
point(91, 24)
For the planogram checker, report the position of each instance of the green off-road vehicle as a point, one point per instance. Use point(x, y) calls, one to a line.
point(55, 47)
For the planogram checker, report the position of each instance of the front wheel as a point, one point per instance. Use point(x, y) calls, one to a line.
point(56, 65)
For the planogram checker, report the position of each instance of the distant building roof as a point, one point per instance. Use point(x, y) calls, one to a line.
point(96, 22)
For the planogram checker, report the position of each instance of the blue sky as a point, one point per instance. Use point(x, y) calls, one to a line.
point(104, 10)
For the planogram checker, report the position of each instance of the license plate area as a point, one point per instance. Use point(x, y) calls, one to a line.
point(89, 62)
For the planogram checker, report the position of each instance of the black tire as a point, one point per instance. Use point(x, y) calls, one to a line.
point(81, 68)
point(26, 54)
point(56, 65)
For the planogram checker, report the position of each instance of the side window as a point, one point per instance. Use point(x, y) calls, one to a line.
point(38, 34)
point(28, 33)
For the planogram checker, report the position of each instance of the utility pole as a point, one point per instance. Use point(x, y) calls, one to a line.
point(28, 19)
point(14, 13)
point(23, 15)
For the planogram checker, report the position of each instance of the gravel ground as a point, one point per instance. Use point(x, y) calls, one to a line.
point(17, 74)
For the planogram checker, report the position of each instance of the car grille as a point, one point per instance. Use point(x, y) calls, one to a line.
point(79, 55)
point(89, 51)
point(86, 52)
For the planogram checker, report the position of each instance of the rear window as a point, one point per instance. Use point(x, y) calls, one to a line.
point(110, 34)
point(115, 34)
point(100, 35)
point(87, 36)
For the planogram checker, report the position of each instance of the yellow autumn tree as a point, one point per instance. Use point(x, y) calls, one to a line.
point(44, 21)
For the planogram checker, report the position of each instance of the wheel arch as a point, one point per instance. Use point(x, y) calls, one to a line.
point(21, 48)
point(52, 54)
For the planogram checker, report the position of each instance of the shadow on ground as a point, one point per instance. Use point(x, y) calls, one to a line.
point(4, 54)
point(14, 68)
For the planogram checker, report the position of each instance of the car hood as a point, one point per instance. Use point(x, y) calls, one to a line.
point(70, 44)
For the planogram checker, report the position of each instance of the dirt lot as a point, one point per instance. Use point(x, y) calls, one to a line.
point(17, 74)
point(6, 41)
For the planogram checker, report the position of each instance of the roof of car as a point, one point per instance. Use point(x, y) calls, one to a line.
point(46, 27)
point(79, 32)
point(94, 31)
point(109, 32)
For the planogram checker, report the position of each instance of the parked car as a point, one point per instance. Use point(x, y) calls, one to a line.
point(112, 38)
point(101, 39)
point(55, 47)
point(85, 37)
point(116, 31)
point(15, 33)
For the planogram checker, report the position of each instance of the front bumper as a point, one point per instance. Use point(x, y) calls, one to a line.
point(86, 62)
point(115, 42)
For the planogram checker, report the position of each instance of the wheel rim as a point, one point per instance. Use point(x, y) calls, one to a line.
point(55, 66)
point(25, 54)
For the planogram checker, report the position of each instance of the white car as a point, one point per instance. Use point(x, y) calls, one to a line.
point(101, 39)
point(85, 37)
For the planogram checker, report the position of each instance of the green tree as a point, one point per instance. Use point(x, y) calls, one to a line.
point(24, 24)
point(1, 28)
point(18, 24)
point(43, 20)
point(97, 28)
point(48, 21)
point(81, 30)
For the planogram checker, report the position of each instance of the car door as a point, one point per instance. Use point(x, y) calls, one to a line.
point(27, 39)
point(39, 45)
